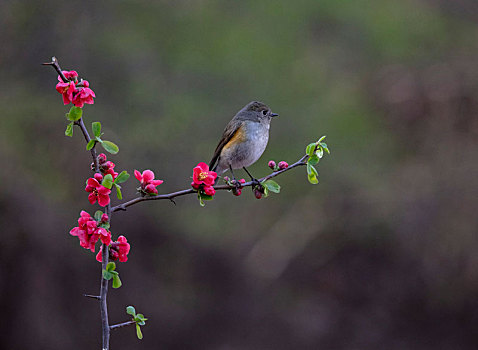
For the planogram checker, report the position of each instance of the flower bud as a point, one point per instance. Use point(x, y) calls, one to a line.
point(104, 218)
point(236, 191)
point(283, 165)
point(101, 158)
point(257, 193)
point(226, 178)
point(98, 177)
point(272, 164)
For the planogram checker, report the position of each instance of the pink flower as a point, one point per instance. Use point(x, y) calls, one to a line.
point(202, 175)
point(85, 95)
point(70, 75)
point(147, 181)
point(108, 168)
point(283, 165)
point(88, 232)
point(77, 92)
point(67, 90)
point(97, 192)
point(117, 250)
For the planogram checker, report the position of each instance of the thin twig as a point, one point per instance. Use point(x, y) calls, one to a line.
point(172, 195)
point(97, 297)
point(82, 126)
point(54, 64)
point(119, 325)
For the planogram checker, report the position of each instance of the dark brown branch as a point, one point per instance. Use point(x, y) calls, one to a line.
point(97, 297)
point(104, 290)
point(172, 195)
point(119, 325)
point(82, 126)
point(54, 64)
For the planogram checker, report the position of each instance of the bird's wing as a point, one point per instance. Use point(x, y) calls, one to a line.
point(227, 135)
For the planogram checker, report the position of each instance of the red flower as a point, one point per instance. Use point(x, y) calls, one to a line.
point(108, 168)
point(85, 95)
point(75, 91)
point(97, 192)
point(88, 232)
point(117, 250)
point(147, 181)
point(67, 90)
point(202, 175)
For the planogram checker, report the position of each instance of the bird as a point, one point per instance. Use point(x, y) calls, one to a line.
point(244, 139)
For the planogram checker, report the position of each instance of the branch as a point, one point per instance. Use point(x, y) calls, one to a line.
point(54, 64)
point(119, 325)
point(170, 196)
point(88, 138)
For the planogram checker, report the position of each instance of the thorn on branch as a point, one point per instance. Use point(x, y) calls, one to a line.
point(97, 297)
point(54, 64)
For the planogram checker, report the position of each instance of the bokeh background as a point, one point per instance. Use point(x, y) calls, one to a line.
point(380, 255)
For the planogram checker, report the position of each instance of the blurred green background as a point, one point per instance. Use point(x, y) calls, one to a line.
point(380, 255)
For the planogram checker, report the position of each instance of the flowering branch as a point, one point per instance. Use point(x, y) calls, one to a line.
point(170, 196)
point(92, 229)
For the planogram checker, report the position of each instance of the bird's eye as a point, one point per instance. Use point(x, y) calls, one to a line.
point(264, 112)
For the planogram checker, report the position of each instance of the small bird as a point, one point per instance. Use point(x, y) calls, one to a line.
point(244, 139)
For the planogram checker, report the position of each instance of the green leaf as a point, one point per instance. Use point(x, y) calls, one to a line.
point(96, 127)
point(107, 275)
point(320, 140)
point(311, 170)
point(130, 310)
point(324, 146)
point(313, 179)
point(118, 191)
point(310, 149)
point(110, 147)
point(320, 152)
point(111, 266)
point(272, 186)
point(90, 144)
point(98, 215)
point(74, 114)
point(69, 130)
point(107, 181)
point(313, 159)
point(206, 197)
point(116, 282)
point(138, 332)
point(122, 177)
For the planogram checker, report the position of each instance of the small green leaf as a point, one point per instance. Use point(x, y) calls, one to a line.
point(141, 322)
point(122, 177)
point(313, 179)
point(138, 332)
point(201, 202)
point(107, 181)
point(69, 130)
point(311, 170)
point(98, 215)
point(96, 127)
point(111, 266)
point(107, 275)
point(116, 282)
point(320, 140)
point(110, 147)
point(90, 144)
point(310, 149)
point(74, 114)
point(325, 147)
point(272, 186)
point(313, 159)
point(130, 310)
point(320, 152)
point(118, 191)
point(206, 197)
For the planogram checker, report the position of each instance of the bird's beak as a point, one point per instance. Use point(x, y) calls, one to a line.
point(274, 115)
